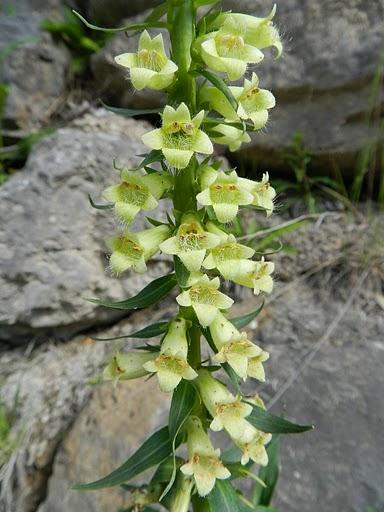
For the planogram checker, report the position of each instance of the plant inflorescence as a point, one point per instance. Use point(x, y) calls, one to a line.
point(208, 51)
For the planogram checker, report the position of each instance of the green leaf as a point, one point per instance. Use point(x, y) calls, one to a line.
point(200, 3)
point(153, 156)
point(126, 28)
point(163, 473)
point(242, 321)
point(156, 329)
point(268, 422)
point(181, 271)
point(158, 12)
point(153, 451)
point(269, 475)
point(183, 400)
point(131, 112)
point(105, 206)
point(224, 498)
point(149, 295)
point(221, 85)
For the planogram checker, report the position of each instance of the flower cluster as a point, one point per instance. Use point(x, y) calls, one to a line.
point(197, 234)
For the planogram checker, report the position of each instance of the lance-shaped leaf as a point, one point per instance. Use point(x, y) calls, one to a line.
point(98, 206)
point(221, 85)
point(126, 28)
point(268, 422)
point(242, 321)
point(131, 112)
point(156, 329)
point(183, 400)
point(224, 498)
point(154, 450)
point(149, 295)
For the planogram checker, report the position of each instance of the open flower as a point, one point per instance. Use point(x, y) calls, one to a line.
point(255, 448)
point(204, 463)
point(227, 255)
point(171, 364)
point(227, 411)
point(150, 66)
point(179, 137)
point(205, 298)
point(253, 102)
point(258, 32)
point(225, 195)
point(136, 192)
point(132, 250)
point(254, 274)
point(227, 51)
point(127, 366)
point(190, 243)
point(263, 193)
point(238, 352)
point(230, 136)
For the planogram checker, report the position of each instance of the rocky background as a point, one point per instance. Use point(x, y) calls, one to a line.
point(323, 325)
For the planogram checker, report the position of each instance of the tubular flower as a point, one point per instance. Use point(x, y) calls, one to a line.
point(179, 137)
point(222, 330)
point(230, 136)
point(226, 256)
point(239, 353)
point(226, 50)
point(150, 66)
point(127, 366)
point(258, 32)
point(136, 192)
point(263, 193)
point(171, 364)
point(206, 299)
point(204, 463)
point(190, 243)
point(132, 250)
point(253, 102)
point(254, 274)
point(254, 449)
point(228, 412)
point(225, 195)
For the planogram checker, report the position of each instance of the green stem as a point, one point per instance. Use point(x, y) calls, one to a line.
point(194, 352)
point(184, 193)
point(181, 20)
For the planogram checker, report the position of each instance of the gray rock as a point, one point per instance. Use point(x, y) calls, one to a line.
point(48, 389)
point(323, 80)
point(33, 67)
point(53, 251)
point(111, 14)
